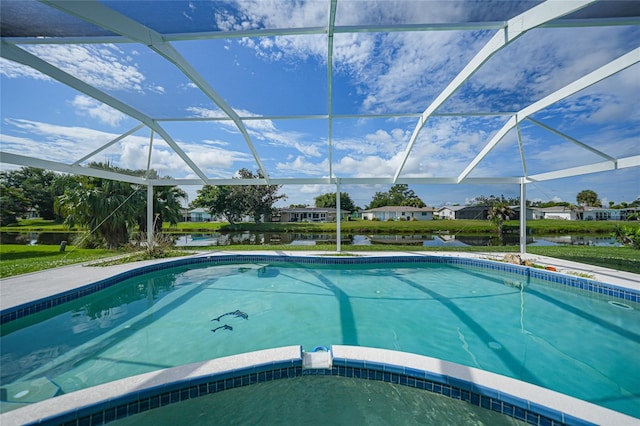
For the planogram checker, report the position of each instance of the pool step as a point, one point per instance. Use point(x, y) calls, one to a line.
point(320, 357)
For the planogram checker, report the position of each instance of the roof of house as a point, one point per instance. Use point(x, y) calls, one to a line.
point(452, 208)
point(399, 209)
point(311, 210)
point(556, 209)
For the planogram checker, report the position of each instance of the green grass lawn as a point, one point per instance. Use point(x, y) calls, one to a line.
point(21, 259)
point(621, 258)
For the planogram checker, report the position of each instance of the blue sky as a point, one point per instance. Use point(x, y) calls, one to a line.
point(374, 73)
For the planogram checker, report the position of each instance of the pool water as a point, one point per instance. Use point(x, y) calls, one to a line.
point(564, 340)
point(322, 401)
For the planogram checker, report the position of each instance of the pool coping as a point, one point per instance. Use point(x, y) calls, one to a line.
point(136, 394)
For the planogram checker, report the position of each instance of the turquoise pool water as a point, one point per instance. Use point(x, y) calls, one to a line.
point(568, 341)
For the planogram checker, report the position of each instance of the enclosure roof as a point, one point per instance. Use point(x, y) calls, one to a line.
point(321, 92)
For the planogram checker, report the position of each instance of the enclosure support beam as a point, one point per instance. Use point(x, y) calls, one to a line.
point(523, 217)
point(150, 224)
point(514, 28)
point(107, 18)
point(605, 71)
point(21, 56)
point(338, 217)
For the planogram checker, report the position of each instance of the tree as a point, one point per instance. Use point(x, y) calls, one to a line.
point(100, 205)
point(37, 186)
point(628, 235)
point(112, 209)
point(398, 195)
point(220, 200)
point(233, 202)
point(259, 199)
point(13, 204)
point(498, 214)
point(493, 200)
point(329, 200)
point(588, 198)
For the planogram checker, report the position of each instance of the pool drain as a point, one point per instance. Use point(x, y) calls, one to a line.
point(21, 394)
point(495, 345)
point(620, 305)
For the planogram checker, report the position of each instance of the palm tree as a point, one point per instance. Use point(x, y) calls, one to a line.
point(106, 207)
point(498, 214)
point(166, 207)
point(112, 209)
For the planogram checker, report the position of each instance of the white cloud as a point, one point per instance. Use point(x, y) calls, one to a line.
point(264, 130)
point(103, 66)
point(85, 105)
point(12, 69)
point(301, 166)
point(67, 144)
point(51, 141)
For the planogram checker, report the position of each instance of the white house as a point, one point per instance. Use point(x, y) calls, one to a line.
point(448, 212)
point(198, 215)
point(398, 213)
point(308, 214)
point(559, 212)
point(601, 213)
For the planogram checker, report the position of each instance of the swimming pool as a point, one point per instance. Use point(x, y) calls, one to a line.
point(486, 315)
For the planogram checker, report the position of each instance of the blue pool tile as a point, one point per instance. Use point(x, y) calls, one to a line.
point(132, 408)
point(485, 402)
point(456, 393)
point(438, 378)
point(485, 391)
point(412, 372)
point(545, 411)
point(165, 399)
point(545, 421)
point(515, 401)
point(462, 384)
point(396, 369)
point(574, 421)
point(144, 405)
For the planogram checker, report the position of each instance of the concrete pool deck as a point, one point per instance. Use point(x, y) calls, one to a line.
point(21, 289)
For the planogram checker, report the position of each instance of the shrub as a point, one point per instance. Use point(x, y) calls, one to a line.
point(628, 235)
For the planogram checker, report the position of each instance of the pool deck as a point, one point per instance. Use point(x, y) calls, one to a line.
point(21, 289)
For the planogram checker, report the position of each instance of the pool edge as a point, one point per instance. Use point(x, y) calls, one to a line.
point(126, 397)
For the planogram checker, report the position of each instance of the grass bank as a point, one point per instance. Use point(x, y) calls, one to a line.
point(21, 259)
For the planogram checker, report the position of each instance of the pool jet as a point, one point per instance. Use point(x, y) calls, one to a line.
point(237, 313)
point(224, 327)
